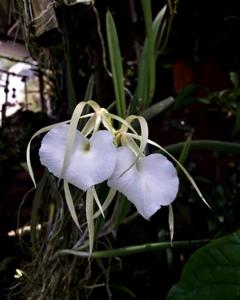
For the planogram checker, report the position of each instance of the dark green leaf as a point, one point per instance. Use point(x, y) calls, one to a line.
point(89, 90)
point(234, 79)
point(185, 151)
point(210, 145)
point(123, 289)
point(157, 108)
point(159, 25)
point(237, 122)
point(184, 97)
point(213, 272)
point(146, 66)
point(38, 197)
point(121, 210)
point(116, 65)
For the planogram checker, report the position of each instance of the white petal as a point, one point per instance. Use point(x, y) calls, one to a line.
point(149, 184)
point(123, 181)
point(86, 167)
point(52, 149)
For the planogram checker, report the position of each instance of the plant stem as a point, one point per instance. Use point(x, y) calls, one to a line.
point(124, 251)
point(210, 145)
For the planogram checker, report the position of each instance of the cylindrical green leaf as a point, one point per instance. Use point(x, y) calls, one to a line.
point(116, 65)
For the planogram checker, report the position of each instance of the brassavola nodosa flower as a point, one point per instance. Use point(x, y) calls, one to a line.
point(92, 160)
point(117, 156)
point(151, 182)
point(148, 182)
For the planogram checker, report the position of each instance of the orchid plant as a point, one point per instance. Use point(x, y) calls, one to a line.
point(100, 152)
point(101, 158)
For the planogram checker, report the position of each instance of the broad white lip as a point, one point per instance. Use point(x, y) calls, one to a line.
point(151, 183)
point(92, 160)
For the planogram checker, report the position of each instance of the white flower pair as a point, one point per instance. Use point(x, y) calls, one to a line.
point(147, 181)
point(117, 156)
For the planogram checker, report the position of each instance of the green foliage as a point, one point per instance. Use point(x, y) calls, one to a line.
point(71, 93)
point(234, 79)
point(185, 96)
point(116, 65)
point(157, 108)
point(228, 101)
point(147, 66)
point(236, 128)
point(37, 201)
point(213, 272)
point(60, 269)
point(185, 151)
point(147, 62)
point(210, 145)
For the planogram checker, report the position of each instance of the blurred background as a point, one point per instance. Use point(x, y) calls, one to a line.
point(51, 54)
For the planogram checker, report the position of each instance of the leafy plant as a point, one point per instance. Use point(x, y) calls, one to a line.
point(59, 266)
point(212, 272)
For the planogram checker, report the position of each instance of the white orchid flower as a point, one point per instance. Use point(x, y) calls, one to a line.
point(149, 183)
point(92, 160)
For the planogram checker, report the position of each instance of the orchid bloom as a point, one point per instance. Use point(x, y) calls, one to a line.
point(150, 183)
point(92, 160)
point(115, 156)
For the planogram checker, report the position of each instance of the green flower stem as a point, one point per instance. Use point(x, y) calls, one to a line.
point(210, 145)
point(131, 250)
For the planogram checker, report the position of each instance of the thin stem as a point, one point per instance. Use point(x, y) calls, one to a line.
point(124, 251)
point(210, 145)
